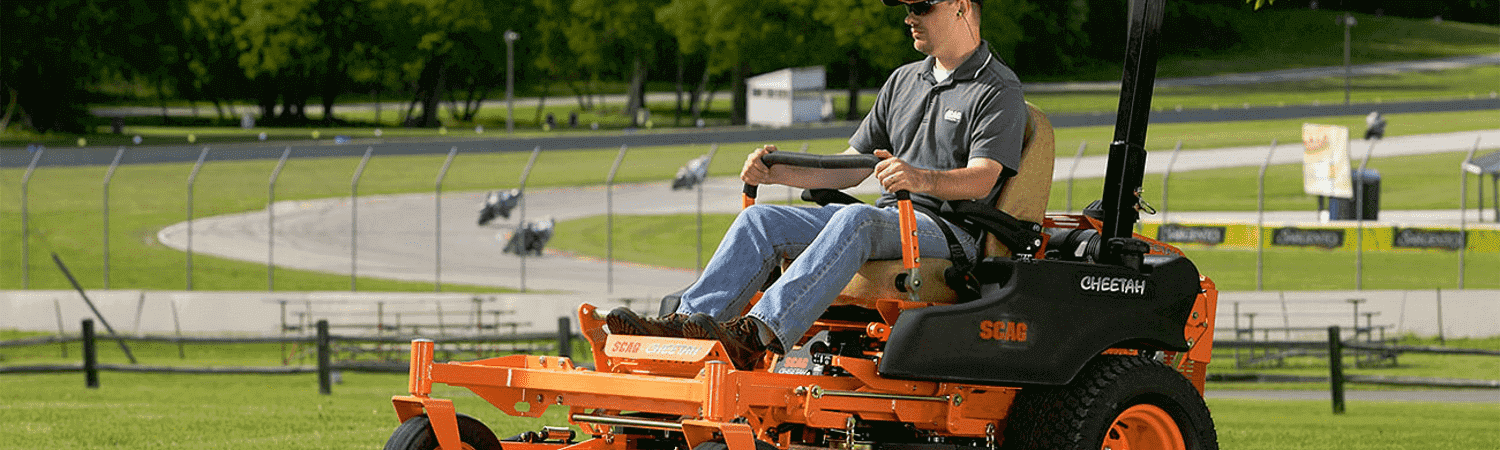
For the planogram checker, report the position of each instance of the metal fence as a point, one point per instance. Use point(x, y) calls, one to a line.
point(1068, 178)
point(1461, 201)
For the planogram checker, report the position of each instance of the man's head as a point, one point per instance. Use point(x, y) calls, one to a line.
point(939, 27)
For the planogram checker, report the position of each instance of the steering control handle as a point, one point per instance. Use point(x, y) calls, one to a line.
point(841, 161)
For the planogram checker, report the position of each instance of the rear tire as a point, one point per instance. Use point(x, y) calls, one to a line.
point(1124, 401)
point(416, 434)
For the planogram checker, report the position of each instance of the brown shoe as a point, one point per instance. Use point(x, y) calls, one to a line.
point(624, 321)
point(741, 337)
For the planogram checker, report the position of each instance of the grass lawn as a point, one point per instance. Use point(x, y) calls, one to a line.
point(1297, 425)
point(149, 411)
point(145, 411)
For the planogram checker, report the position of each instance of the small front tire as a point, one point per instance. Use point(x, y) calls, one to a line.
point(416, 434)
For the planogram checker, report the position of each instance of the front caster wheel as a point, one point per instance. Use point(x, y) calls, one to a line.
point(416, 434)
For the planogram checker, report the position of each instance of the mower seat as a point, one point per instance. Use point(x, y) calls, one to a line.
point(1024, 196)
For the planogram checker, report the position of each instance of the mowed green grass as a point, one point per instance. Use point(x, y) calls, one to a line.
point(1310, 425)
point(147, 411)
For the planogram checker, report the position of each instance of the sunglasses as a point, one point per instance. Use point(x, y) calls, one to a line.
point(922, 8)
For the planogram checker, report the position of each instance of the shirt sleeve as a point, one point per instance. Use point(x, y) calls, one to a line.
point(872, 133)
point(1000, 130)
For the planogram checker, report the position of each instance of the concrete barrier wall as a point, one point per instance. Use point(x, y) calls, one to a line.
point(1473, 313)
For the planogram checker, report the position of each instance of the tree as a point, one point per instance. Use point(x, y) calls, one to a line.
point(623, 30)
point(279, 51)
point(421, 41)
point(746, 36)
point(550, 54)
point(866, 33)
point(213, 63)
point(51, 51)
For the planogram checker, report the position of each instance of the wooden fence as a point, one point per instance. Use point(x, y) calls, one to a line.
point(1334, 349)
point(323, 342)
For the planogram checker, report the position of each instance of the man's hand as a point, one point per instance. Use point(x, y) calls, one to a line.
point(895, 174)
point(755, 172)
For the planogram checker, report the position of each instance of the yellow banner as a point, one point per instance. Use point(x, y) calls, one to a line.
point(1238, 236)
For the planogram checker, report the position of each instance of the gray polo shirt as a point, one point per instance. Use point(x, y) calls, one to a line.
point(978, 112)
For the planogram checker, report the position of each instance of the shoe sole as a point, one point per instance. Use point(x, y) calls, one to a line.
point(625, 325)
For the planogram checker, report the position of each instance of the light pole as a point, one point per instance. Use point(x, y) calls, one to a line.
point(510, 79)
point(1349, 23)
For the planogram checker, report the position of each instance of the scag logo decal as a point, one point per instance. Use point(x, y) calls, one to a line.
point(626, 347)
point(1004, 330)
point(667, 349)
point(1113, 285)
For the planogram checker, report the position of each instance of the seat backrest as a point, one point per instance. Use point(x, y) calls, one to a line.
point(1025, 195)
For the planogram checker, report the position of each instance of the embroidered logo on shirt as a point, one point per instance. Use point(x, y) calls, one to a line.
point(952, 116)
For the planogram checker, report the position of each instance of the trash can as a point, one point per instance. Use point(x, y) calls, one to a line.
point(1366, 193)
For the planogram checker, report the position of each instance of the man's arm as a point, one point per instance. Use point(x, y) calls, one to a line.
point(757, 173)
point(966, 183)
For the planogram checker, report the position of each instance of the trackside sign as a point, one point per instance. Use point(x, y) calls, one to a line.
point(1303, 237)
point(1193, 234)
point(1425, 238)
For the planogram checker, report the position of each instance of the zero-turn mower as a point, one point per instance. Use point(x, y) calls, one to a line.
point(1084, 335)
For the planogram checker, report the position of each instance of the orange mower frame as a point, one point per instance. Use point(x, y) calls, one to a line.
point(1100, 339)
point(689, 386)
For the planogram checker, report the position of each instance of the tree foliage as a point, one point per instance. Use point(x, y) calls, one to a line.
point(284, 54)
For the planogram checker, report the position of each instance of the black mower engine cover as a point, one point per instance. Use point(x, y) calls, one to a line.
point(1039, 321)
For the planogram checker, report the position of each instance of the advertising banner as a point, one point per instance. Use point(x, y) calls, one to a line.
point(1428, 238)
point(1325, 161)
point(1196, 234)
point(1308, 237)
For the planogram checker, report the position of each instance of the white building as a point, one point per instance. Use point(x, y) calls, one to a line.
point(788, 96)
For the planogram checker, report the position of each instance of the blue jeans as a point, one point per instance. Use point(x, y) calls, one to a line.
point(827, 244)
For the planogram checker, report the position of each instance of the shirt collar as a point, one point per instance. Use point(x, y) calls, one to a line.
point(966, 71)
